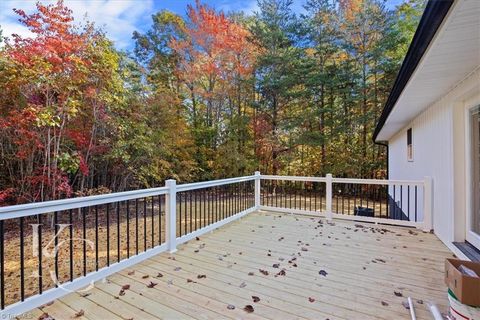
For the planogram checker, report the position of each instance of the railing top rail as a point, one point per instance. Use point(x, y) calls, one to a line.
point(30, 209)
point(213, 183)
point(379, 181)
point(294, 178)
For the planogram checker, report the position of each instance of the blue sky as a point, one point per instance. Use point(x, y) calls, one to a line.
point(119, 18)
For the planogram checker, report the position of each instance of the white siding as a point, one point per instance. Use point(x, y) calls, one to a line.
point(433, 136)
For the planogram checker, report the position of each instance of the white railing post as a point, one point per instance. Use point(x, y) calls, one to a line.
point(329, 196)
point(171, 215)
point(257, 189)
point(427, 204)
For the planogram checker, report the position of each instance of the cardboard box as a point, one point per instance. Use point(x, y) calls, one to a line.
point(465, 288)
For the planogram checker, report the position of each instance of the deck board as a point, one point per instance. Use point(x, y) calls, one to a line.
point(365, 265)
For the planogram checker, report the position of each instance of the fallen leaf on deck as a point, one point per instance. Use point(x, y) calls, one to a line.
point(145, 276)
point(251, 273)
point(255, 298)
point(79, 314)
point(311, 299)
point(131, 273)
point(248, 308)
point(196, 251)
point(398, 293)
point(420, 301)
point(264, 272)
point(322, 273)
point(84, 295)
point(125, 287)
point(178, 269)
point(151, 284)
point(159, 275)
point(230, 307)
point(190, 280)
point(201, 276)
point(197, 238)
point(281, 273)
point(406, 305)
point(384, 303)
point(121, 293)
point(45, 316)
point(243, 285)
point(276, 265)
point(304, 249)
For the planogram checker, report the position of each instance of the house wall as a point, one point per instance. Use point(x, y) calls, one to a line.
point(440, 151)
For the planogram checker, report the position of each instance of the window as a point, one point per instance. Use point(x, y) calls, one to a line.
point(409, 145)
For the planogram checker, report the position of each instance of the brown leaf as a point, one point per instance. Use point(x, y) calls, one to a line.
point(45, 316)
point(159, 275)
point(398, 293)
point(420, 301)
point(248, 308)
point(151, 284)
point(311, 299)
point(79, 313)
point(197, 238)
point(121, 293)
point(384, 303)
point(201, 276)
point(281, 273)
point(304, 249)
point(276, 265)
point(264, 272)
point(131, 273)
point(255, 298)
point(322, 273)
point(145, 276)
point(125, 287)
point(251, 273)
point(190, 280)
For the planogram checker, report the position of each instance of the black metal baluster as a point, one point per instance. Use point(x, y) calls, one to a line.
point(136, 226)
point(84, 229)
point(191, 211)
point(401, 202)
point(408, 202)
point(118, 232)
point(22, 267)
point(128, 229)
point(108, 234)
point(145, 224)
point(153, 224)
point(394, 203)
point(40, 269)
point(55, 226)
point(160, 218)
point(70, 221)
point(180, 196)
point(96, 238)
point(2, 266)
point(416, 204)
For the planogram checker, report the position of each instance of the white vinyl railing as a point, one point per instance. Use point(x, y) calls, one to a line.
point(156, 220)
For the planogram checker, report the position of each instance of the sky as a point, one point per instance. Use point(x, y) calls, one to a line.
point(119, 18)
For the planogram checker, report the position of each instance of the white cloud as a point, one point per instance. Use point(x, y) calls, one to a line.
point(119, 18)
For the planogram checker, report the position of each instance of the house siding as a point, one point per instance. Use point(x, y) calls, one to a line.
point(436, 155)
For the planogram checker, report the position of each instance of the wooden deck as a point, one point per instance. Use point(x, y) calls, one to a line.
point(342, 270)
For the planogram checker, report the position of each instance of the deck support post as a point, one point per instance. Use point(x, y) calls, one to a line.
point(257, 189)
point(171, 215)
point(329, 196)
point(427, 204)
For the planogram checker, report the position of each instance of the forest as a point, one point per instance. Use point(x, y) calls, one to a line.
point(204, 95)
